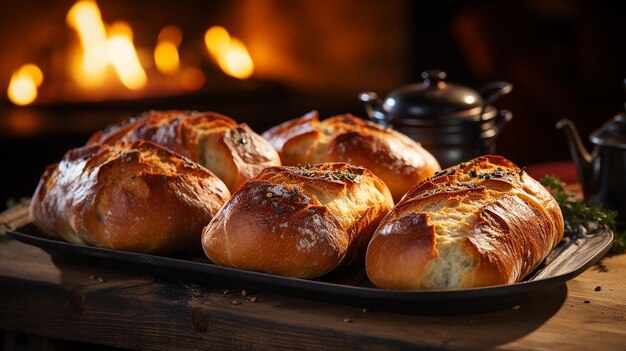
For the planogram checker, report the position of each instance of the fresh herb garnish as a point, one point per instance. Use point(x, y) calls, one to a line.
point(578, 214)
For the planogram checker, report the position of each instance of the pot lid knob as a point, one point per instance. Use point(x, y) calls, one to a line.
point(433, 76)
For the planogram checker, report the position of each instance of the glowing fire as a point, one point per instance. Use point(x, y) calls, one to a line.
point(123, 56)
point(100, 49)
point(85, 18)
point(229, 53)
point(166, 52)
point(105, 58)
point(23, 86)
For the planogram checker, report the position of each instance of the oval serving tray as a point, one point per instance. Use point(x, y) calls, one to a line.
point(348, 286)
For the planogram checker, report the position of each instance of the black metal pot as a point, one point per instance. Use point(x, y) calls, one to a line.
point(453, 122)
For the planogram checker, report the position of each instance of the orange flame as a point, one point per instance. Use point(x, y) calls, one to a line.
point(123, 56)
point(84, 17)
point(166, 52)
point(105, 52)
point(24, 83)
point(101, 49)
point(229, 53)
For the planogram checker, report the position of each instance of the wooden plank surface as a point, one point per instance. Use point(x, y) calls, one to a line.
point(60, 297)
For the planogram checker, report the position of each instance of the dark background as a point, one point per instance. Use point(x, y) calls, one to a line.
point(566, 59)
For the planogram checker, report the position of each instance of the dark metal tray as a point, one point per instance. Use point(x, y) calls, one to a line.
point(350, 285)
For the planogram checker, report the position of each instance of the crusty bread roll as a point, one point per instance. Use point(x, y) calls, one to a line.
point(298, 221)
point(232, 151)
point(133, 197)
point(483, 222)
point(398, 160)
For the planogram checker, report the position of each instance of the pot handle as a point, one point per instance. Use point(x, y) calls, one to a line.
point(491, 92)
point(371, 101)
point(505, 117)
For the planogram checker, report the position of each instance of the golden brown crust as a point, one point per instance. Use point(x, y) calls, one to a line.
point(483, 222)
point(231, 151)
point(399, 161)
point(298, 221)
point(132, 197)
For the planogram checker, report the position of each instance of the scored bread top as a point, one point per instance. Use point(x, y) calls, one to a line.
point(232, 151)
point(483, 222)
point(132, 197)
point(298, 221)
point(398, 160)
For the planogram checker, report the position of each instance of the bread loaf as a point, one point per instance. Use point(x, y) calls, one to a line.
point(232, 151)
point(483, 222)
point(298, 221)
point(133, 197)
point(398, 160)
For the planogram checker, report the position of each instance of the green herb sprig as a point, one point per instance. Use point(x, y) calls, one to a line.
point(578, 214)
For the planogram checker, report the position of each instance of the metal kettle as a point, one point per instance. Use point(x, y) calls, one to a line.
point(601, 173)
point(454, 122)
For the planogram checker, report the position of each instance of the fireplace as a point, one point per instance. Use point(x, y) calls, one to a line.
point(88, 51)
point(73, 67)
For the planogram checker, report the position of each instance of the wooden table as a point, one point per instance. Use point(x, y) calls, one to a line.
point(44, 298)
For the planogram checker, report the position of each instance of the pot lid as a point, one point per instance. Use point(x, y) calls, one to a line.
point(612, 133)
point(434, 98)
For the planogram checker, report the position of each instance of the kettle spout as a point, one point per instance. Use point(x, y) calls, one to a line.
point(582, 158)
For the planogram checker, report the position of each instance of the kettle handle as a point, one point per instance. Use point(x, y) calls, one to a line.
point(491, 92)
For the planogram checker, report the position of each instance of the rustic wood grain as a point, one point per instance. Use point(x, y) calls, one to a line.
point(14, 217)
point(60, 297)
